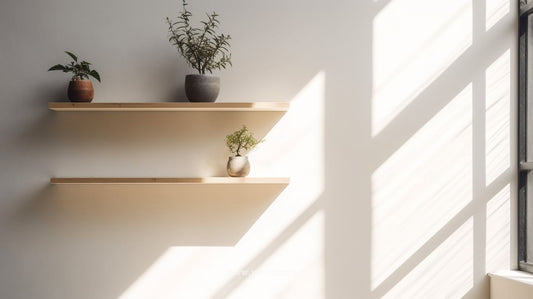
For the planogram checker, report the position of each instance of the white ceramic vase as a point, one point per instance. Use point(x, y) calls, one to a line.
point(238, 166)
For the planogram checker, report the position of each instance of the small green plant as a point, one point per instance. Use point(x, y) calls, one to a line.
point(80, 70)
point(203, 49)
point(241, 140)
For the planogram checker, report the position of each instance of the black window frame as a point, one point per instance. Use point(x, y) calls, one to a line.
point(524, 167)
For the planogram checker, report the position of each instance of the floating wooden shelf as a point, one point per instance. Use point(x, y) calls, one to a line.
point(177, 181)
point(170, 106)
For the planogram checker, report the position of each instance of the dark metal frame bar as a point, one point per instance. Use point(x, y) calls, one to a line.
point(524, 167)
point(526, 8)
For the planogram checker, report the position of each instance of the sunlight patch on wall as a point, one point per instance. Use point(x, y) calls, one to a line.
point(450, 265)
point(414, 42)
point(498, 239)
point(282, 254)
point(181, 272)
point(422, 186)
point(294, 147)
point(497, 117)
point(495, 10)
point(294, 270)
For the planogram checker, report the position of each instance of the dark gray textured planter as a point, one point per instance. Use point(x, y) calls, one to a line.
point(202, 88)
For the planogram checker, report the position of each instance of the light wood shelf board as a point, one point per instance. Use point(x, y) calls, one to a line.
point(170, 106)
point(176, 181)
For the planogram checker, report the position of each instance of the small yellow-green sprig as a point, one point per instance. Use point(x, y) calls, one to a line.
point(241, 139)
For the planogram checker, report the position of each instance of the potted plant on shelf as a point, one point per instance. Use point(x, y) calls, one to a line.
point(203, 50)
point(80, 88)
point(238, 141)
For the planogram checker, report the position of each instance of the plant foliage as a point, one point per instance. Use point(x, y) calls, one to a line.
point(203, 49)
point(241, 140)
point(80, 70)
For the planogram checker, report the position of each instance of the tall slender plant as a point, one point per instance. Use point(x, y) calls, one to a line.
point(203, 49)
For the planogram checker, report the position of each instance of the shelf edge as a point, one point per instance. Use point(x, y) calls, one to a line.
point(171, 107)
point(172, 181)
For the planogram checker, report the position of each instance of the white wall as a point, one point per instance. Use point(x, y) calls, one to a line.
point(400, 144)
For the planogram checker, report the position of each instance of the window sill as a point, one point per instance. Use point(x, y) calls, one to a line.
point(511, 284)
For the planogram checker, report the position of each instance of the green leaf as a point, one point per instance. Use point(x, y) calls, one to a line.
point(57, 67)
point(95, 75)
point(72, 56)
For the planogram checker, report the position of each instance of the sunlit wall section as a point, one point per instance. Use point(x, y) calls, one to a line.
point(293, 270)
point(446, 273)
point(498, 232)
point(295, 148)
point(182, 272)
point(497, 120)
point(295, 145)
point(414, 42)
point(282, 254)
point(421, 187)
point(495, 10)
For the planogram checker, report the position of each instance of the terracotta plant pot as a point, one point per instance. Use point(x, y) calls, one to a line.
point(238, 166)
point(80, 91)
point(202, 88)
